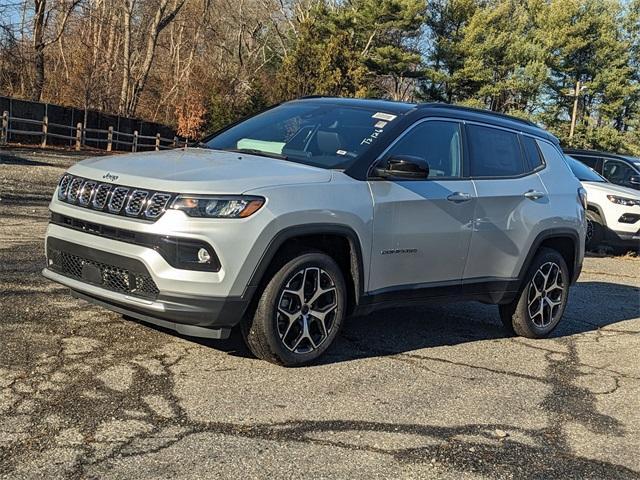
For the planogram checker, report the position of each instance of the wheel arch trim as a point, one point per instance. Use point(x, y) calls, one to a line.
point(297, 231)
point(595, 207)
point(549, 235)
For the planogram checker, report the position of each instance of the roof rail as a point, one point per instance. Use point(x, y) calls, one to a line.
point(480, 111)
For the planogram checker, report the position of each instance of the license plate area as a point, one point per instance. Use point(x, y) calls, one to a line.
point(91, 274)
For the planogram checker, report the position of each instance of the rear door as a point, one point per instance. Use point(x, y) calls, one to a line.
point(511, 201)
point(422, 228)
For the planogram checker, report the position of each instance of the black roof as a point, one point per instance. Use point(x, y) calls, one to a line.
point(596, 153)
point(444, 109)
point(374, 103)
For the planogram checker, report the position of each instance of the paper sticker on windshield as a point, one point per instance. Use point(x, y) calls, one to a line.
point(341, 152)
point(383, 116)
point(380, 124)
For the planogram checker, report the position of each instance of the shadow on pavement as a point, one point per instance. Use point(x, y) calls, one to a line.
point(8, 159)
point(592, 305)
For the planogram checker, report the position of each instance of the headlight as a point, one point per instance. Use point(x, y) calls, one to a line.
point(240, 206)
point(629, 202)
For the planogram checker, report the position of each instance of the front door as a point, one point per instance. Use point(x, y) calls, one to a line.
point(422, 228)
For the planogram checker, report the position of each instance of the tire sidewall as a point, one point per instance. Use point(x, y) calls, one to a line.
point(522, 323)
point(266, 311)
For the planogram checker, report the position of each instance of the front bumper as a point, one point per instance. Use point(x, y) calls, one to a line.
point(622, 239)
point(124, 284)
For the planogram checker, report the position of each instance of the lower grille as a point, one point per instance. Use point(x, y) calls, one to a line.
point(110, 277)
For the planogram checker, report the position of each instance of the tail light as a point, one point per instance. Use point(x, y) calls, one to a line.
point(582, 196)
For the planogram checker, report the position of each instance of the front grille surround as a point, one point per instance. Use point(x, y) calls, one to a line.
point(136, 203)
point(118, 199)
point(63, 186)
point(157, 204)
point(74, 188)
point(85, 193)
point(114, 199)
point(101, 196)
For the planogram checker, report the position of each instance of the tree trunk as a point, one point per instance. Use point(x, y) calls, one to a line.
point(160, 21)
point(127, 11)
point(40, 7)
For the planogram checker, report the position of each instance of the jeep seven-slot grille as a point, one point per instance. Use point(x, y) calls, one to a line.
point(110, 277)
point(114, 199)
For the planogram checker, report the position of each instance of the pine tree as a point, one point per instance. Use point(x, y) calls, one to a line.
point(584, 43)
point(446, 21)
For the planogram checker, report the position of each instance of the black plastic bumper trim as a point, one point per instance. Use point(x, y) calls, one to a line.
point(169, 247)
point(190, 330)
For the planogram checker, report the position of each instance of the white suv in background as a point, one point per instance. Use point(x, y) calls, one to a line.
point(613, 212)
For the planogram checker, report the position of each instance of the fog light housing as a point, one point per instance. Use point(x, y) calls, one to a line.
point(189, 254)
point(203, 256)
point(629, 218)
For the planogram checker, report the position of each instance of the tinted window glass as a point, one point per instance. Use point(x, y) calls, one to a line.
point(435, 141)
point(589, 161)
point(617, 172)
point(532, 152)
point(582, 172)
point(494, 153)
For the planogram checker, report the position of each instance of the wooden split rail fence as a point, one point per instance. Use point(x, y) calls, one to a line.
point(81, 135)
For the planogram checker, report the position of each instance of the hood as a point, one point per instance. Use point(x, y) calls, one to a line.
point(612, 189)
point(197, 170)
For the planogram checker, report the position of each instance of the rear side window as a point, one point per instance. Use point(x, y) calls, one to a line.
point(531, 151)
point(494, 153)
point(588, 161)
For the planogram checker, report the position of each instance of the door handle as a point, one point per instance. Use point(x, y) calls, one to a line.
point(459, 197)
point(533, 195)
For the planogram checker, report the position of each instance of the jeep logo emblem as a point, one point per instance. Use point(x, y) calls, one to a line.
point(112, 178)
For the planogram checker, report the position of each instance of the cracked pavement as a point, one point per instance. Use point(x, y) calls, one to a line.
point(420, 392)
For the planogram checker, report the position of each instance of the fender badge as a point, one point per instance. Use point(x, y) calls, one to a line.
point(394, 251)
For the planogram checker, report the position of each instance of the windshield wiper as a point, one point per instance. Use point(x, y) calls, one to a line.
point(255, 151)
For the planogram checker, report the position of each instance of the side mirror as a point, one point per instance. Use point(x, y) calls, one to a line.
point(634, 180)
point(405, 167)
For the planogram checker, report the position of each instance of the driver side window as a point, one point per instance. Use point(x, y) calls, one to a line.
point(617, 172)
point(438, 142)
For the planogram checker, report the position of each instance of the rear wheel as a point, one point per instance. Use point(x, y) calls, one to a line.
point(595, 230)
point(299, 312)
point(541, 302)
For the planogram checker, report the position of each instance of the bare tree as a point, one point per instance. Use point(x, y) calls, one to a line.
point(41, 18)
point(135, 79)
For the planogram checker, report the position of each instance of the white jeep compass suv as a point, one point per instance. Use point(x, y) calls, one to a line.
point(613, 212)
point(319, 208)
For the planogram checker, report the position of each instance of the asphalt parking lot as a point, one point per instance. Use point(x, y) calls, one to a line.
point(429, 392)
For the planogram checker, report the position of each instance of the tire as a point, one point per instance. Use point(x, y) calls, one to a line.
point(539, 306)
point(287, 325)
point(595, 230)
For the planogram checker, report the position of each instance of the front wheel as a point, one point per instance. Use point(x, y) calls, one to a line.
point(541, 302)
point(299, 312)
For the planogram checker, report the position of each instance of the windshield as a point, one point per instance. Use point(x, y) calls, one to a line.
point(327, 136)
point(582, 172)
